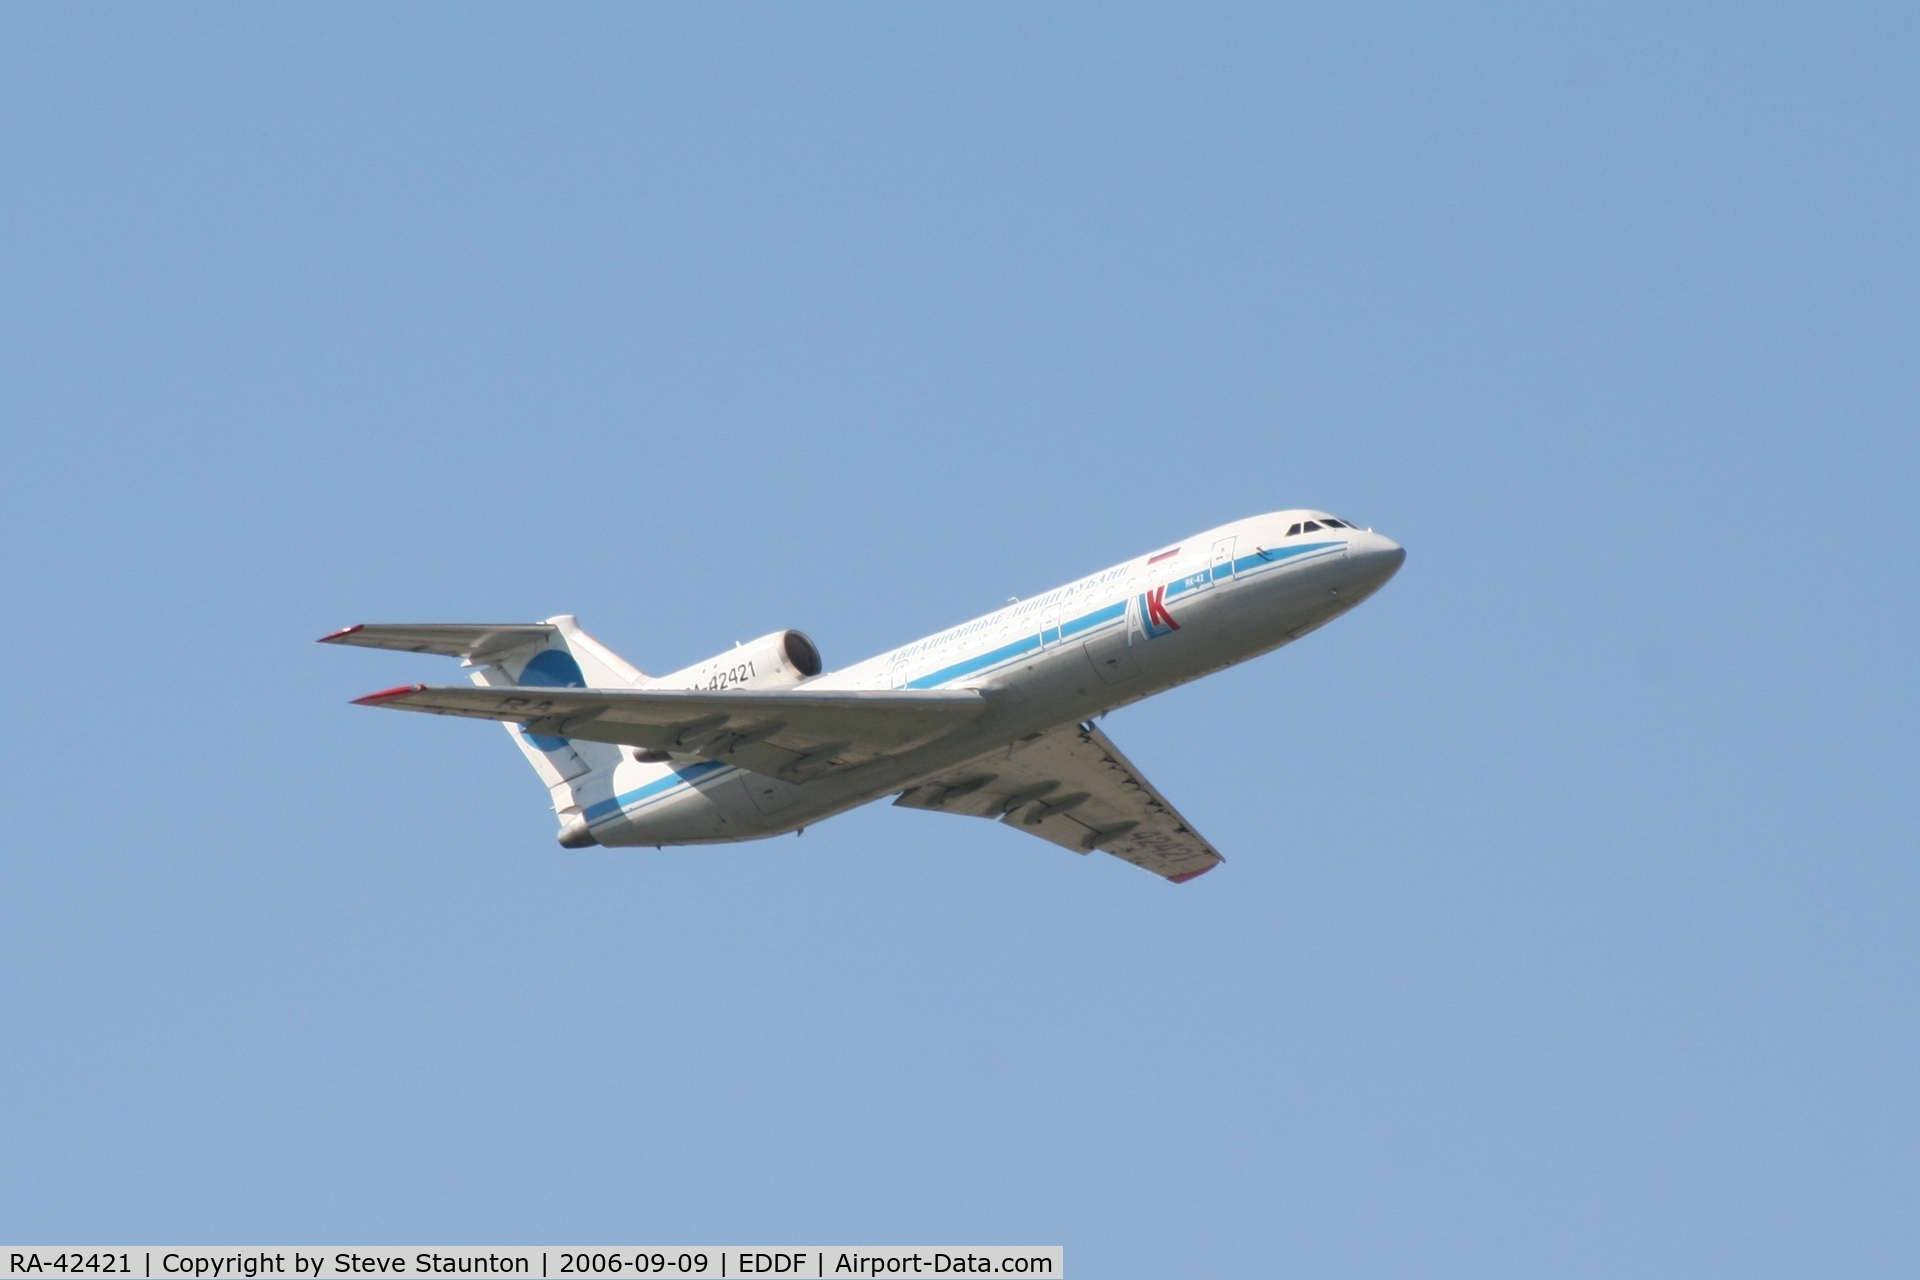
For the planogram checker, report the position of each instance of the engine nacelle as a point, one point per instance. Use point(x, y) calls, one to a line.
point(785, 657)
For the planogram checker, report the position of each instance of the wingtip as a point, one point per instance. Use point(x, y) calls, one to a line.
point(334, 637)
point(1185, 876)
point(388, 695)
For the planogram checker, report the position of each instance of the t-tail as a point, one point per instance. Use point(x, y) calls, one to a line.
point(551, 654)
point(557, 654)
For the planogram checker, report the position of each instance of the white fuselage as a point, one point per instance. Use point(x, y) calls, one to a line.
point(1078, 651)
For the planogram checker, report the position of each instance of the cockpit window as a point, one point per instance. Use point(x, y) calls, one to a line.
point(1322, 522)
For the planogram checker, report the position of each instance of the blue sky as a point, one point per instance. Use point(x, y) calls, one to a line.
point(1569, 920)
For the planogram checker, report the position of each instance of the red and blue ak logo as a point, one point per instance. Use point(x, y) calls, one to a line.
point(1154, 618)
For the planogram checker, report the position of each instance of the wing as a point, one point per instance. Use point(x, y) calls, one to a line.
point(1073, 787)
point(797, 734)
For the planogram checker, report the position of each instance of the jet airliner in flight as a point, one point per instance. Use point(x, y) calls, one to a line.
point(993, 718)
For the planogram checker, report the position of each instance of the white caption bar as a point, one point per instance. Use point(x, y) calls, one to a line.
point(536, 1262)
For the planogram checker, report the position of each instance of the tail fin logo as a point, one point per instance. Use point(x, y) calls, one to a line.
point(1154, 618)
point(551, 669)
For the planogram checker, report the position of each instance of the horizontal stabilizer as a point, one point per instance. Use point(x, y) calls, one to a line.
point(795, 734)
point(474, 641)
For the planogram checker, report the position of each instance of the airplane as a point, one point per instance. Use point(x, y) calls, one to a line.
point(993, 718)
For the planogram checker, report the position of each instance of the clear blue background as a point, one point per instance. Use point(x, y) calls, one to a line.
point(1569, 926)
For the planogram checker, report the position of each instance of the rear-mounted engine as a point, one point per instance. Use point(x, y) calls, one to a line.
point(783, 658)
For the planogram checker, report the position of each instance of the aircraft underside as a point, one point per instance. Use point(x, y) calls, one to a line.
point(992, 719)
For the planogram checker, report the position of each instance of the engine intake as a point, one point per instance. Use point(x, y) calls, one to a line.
point(783, 658)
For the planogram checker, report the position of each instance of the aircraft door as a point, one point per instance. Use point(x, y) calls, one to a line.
point(1112, 652)
point(1222, 566)
point(1050, 628)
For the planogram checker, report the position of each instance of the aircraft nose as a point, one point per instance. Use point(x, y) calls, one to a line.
point(1374, 557)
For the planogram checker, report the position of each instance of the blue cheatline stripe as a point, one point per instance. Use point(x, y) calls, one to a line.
point(689, 774)
point(1094, 619)
point(1261, 559)
point(1104, 614)
point(1025, 644)
point(681, 775)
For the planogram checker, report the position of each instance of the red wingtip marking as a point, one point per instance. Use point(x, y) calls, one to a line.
point(385, 695)
point(344, 631)
point(1186, 876)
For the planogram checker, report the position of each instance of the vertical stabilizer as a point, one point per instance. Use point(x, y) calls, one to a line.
point(567, 658)
point(551, 654)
